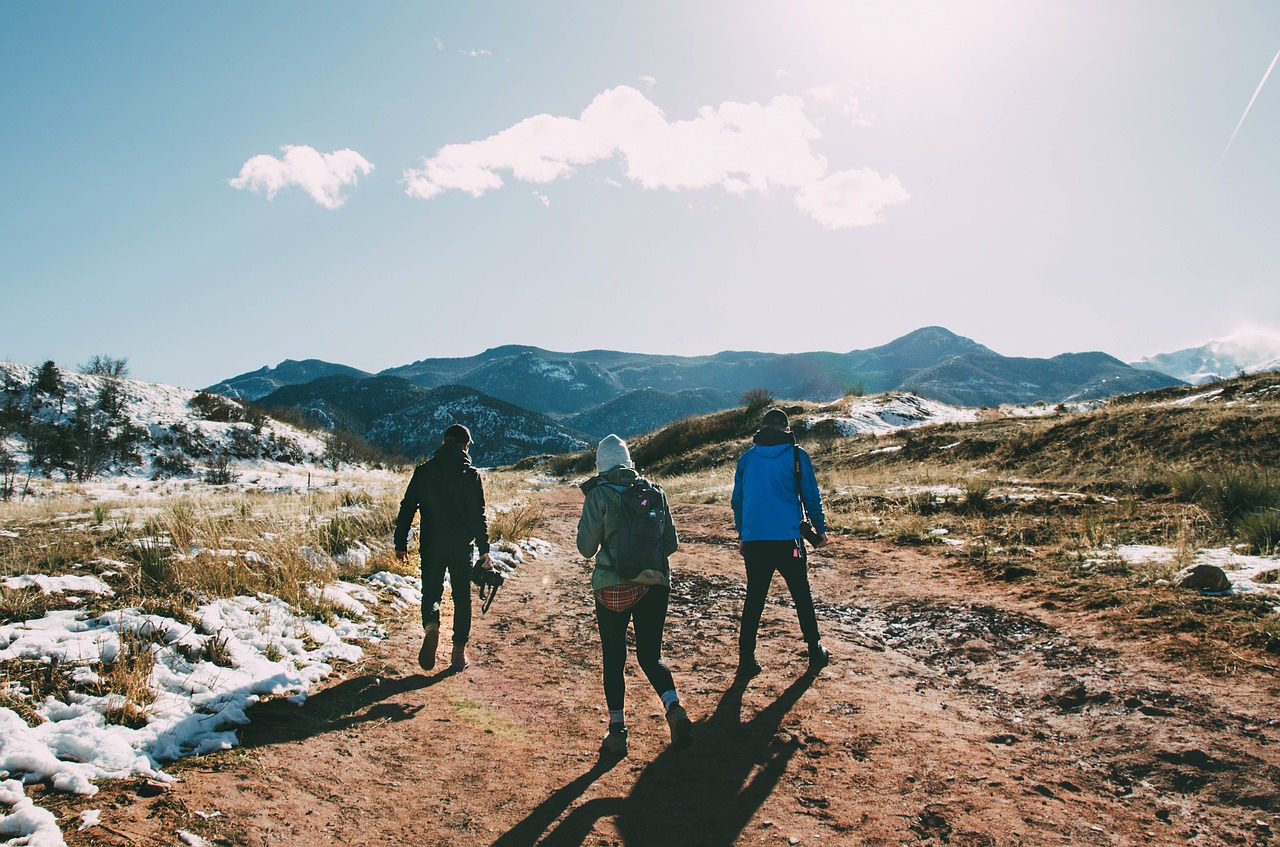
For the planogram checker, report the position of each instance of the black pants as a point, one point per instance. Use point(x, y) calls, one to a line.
point(433, 570)
point(762, 559)
point(650, 616)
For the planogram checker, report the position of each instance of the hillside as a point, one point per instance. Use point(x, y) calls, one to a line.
point(77, 427)
point(406, 420)
point(647, 409)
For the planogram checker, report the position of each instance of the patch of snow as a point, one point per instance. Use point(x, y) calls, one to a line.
point(1193, 398)
point(884, 413)
point(26, 823)
point(60, 584)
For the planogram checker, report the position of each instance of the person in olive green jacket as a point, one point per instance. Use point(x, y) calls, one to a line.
point(642, 600)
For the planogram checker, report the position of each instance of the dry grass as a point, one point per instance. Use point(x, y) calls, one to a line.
point(1037, 499)
point(194, 548)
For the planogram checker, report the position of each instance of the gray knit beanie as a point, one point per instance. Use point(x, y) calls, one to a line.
point(612, 453)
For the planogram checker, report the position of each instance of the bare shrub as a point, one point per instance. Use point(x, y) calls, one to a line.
point(756, 399)
point(102, 365)
point(517, 522)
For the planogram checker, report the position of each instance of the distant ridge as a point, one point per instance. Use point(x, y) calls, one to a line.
point(255, 384)
point(599, 391)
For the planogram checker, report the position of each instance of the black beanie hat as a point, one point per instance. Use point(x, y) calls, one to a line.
point(775, 418)
point(457, 434)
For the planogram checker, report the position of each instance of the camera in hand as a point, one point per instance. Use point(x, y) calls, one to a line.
point(809, 534)
point(486, 578)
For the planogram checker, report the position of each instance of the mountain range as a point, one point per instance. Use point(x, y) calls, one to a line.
point(577, 397)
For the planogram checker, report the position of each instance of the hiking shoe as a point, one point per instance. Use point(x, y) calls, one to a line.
point(615, 743)
point(459, 660)
point(681, 727)
point(748, 667)
point(430, 640)
point(819, 658)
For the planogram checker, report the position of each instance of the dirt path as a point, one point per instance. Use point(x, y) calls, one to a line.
point(956, 712)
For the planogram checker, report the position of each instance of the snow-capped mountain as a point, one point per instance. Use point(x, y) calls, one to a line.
point(1244, 352)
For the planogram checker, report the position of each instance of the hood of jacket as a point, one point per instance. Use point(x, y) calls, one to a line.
point(450, 458)
point(771, 436)
point(616, 476)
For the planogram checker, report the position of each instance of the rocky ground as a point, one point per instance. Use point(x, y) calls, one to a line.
point(957, 711)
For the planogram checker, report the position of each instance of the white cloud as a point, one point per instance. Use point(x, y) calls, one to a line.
point(476, 53)
point(740, 147)
point(322, 175)
point(439, 43)
point(544, 199)
point(649, 81)
point(851, 198)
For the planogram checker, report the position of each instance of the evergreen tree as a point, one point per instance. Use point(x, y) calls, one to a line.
point(49, 381)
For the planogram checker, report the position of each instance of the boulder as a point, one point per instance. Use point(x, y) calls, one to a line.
point(1205, 578)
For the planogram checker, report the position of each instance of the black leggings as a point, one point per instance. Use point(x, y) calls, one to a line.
point(650, 616)
point(762, 559)
point(459, 568)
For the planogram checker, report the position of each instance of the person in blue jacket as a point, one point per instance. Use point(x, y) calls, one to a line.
point(766, 515)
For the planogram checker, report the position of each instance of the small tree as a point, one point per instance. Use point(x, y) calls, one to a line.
point(105, 366)
point(49, 381)
point(342, 445)
point(756, 399)
point(8, 472)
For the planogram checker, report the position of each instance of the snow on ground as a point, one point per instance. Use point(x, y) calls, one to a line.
point(60, 584)
point(26, 823)
point(205, 677)
point(1194, 398)
point(884, 413)
point(1241, 570)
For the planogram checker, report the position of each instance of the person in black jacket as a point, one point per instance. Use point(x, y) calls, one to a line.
point(446, 491)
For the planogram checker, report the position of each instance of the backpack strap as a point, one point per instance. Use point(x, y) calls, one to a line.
point(795, 456)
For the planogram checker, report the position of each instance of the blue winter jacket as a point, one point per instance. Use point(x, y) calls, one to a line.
point(765, 505)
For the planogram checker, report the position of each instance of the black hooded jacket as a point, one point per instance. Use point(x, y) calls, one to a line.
point(447, 493)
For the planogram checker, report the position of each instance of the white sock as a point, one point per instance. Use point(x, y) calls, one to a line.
point(617, 716)
point(669, 698)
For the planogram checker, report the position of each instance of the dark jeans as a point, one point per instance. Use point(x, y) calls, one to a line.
point(433, 570)
point(650, 616)
point(762, 559)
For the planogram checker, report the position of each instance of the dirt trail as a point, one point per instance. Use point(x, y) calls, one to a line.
point(956, 711)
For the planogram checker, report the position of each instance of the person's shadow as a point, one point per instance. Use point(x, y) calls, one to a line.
point(349, 703)
point(704, 795)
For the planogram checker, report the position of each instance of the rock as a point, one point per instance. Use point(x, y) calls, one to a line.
point(1204, 578)
point(152, 788)
point(1073, 697)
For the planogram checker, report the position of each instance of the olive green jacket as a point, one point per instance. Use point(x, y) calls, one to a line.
point(598, 524)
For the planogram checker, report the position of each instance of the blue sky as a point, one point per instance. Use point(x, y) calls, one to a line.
point(1041, 177)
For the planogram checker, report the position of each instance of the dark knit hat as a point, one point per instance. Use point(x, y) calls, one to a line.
point(775, 418)
point(457, 434)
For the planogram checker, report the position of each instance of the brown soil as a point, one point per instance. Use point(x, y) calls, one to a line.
point(956, 711)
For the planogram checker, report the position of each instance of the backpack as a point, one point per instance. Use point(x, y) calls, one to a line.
point(638, 535)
